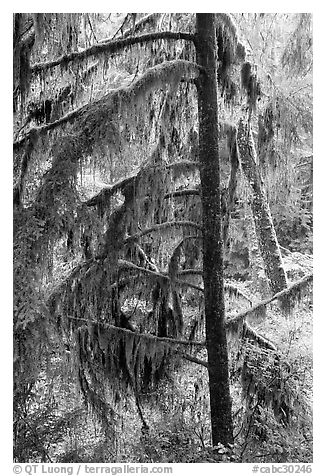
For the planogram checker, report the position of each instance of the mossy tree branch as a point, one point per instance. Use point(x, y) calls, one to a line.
point(111, 47)
point(164, 226)
point(260, 307)
point(95, 120)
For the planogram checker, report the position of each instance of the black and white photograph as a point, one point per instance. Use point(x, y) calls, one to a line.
point(162, 241)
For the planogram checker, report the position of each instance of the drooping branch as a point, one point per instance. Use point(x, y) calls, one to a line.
point(153, 78)
point(41, 130)
point(124, 264)
point(258, 308)
point(193, 359)
point(229, 288)
point(249, 333)
point(111, 47)
point(143, 335)
point(164, 226)
point(96, 120)
point(107, 192)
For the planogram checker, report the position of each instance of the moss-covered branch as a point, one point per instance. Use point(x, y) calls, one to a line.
point(108, 191)
point(193, 359)
point(123, 264)
point(250, 333)
point(142, 335)
point(259, 308)
point(164, 226)
point(104, 195)
point(111, 47)
point(41, 130)
point(96, 121)
point(155, 77)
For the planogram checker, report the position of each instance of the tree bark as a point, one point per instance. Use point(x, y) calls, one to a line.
point(265, 231)
point(220, 400)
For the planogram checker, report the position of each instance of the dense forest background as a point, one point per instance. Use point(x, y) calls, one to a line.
point(110, 238)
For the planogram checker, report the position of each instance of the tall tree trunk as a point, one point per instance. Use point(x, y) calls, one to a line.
point(262, 216)
point(220, 400)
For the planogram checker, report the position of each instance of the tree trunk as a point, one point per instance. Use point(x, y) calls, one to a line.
point(232, 185)
point(263, 219)
point(220, 400)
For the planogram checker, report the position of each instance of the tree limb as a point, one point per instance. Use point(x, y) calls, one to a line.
point(193, 359)
point(182, 193)
point(111, 47)
point(259, 306)
point(141, 334)
point(153, 78)
point(250, 333)
point(108, 191)
point(162, 226)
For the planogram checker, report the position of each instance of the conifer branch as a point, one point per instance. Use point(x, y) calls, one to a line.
point(153, 78)
point(261, 305)
point(141, 334)
point(163, 226)
point(193, 359)
point(111, 47)
point(107, 192)
point(249, 333)
point(41, 130)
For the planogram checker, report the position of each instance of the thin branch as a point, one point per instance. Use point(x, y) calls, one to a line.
point(123, 264)
point(110, 47)
point(126, 18)
point(182, 193)
point(189, 285)
point(250, 333)
point(134, 29)
point(193, 272)
point(193, 359)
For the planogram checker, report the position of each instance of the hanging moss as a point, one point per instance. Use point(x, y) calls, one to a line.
point(250, 85)
point(122, 357)
point(230, 51)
